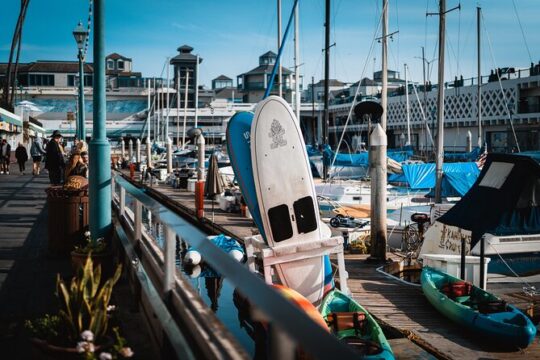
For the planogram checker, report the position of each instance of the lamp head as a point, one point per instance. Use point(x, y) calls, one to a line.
point(80, 35)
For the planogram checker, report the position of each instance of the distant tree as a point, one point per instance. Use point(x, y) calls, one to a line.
point(9, 85)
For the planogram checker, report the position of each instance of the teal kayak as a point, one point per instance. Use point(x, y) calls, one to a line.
point(481, 312)
point(351, 323)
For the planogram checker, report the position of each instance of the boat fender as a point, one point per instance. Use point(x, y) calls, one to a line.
point(237, 255)
point(420, 218)
point(195, 272)
point(193, 257)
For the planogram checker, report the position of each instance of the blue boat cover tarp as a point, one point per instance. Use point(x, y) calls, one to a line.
point(467, 156)
point(457, 179)
point(362, 159)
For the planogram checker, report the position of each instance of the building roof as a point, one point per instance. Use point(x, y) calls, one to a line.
point(185, 55)
point(45, 66)
point(116, 56)
point(269, 54)
point(331, 82)
point(227, 93)
point(222, 77)
point(265, 69)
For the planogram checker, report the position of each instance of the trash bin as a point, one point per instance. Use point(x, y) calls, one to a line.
point(68, 218)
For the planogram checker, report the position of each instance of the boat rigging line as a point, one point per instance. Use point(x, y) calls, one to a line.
point(508, 111)
point(371, 48)
point(522, 31)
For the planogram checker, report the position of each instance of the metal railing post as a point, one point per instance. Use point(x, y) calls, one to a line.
point(137, 220)
point(169, 265)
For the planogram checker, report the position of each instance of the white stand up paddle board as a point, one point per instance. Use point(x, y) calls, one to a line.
point(286, 193)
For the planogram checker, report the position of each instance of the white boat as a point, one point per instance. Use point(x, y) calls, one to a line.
point(501, 209)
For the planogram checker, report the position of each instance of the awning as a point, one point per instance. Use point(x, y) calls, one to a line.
point(10, 118)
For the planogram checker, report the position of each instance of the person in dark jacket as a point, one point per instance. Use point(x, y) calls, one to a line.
point(5, 156)
point(22, 157)
point(54, 161)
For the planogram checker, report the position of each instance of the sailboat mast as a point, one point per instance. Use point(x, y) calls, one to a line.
point(185, 109)
point(377, 153)
point(296, 63)
point(196, 81)
point(440, 103)
point(479, 94)
point(166, 137)
point(384, 55)
point(178, 106)
point(407, 107)
point(280, 72)
point(326, 79)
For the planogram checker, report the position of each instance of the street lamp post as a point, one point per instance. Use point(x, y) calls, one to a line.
point(80, 35)
point(99, 150)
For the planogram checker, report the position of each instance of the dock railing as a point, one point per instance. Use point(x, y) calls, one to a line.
point(290, 327)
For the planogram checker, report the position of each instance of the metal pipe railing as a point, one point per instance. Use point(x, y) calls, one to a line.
point(279, 311)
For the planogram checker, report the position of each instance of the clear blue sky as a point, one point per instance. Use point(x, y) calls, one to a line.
point(231, 34)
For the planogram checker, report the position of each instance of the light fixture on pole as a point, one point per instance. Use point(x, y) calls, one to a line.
point(80, 35)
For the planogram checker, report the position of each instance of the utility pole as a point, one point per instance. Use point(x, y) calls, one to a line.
point(326, 82)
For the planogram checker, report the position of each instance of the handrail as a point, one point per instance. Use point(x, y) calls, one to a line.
point(313, 339)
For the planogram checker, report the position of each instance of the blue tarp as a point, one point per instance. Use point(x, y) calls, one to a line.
point(467, 156)
point(362, 159)
point(457, 179)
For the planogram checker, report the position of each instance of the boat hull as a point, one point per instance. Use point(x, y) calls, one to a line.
point(509, 327)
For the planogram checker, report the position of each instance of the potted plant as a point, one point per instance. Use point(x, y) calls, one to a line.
point(97, 249)
point(80, 329)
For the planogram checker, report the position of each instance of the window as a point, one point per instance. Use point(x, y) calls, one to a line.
point(73, 80)
point(110, 64)
point(120, 64)
point(496, 175)
point(40, 80)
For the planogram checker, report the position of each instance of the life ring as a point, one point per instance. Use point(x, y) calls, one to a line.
point(420, 218)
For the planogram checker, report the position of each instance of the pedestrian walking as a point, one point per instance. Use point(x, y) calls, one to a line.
point(22, 157)
point(54, 161)
point(37, 151)
point(5, 157)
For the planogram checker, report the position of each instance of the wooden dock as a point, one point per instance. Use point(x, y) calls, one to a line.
point(400, 308)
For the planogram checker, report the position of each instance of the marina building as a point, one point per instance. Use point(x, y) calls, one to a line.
point(510, 113)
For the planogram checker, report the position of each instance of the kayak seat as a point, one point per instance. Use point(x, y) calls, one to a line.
point(340, 321)
point(457, 289)
point(492, 306)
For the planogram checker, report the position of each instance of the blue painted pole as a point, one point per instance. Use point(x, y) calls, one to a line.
point(99, 148)
point(277, 64)
point(81, 131)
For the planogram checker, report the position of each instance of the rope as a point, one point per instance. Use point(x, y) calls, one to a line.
point(357, 91)
point(500, 84)
point(522, 32)
point(421, 110)
point(528, 289)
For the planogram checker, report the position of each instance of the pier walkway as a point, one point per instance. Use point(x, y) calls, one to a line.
point(28, 274)
point(401, 308)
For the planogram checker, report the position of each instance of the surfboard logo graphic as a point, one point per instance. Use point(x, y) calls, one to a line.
point(276, 133)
